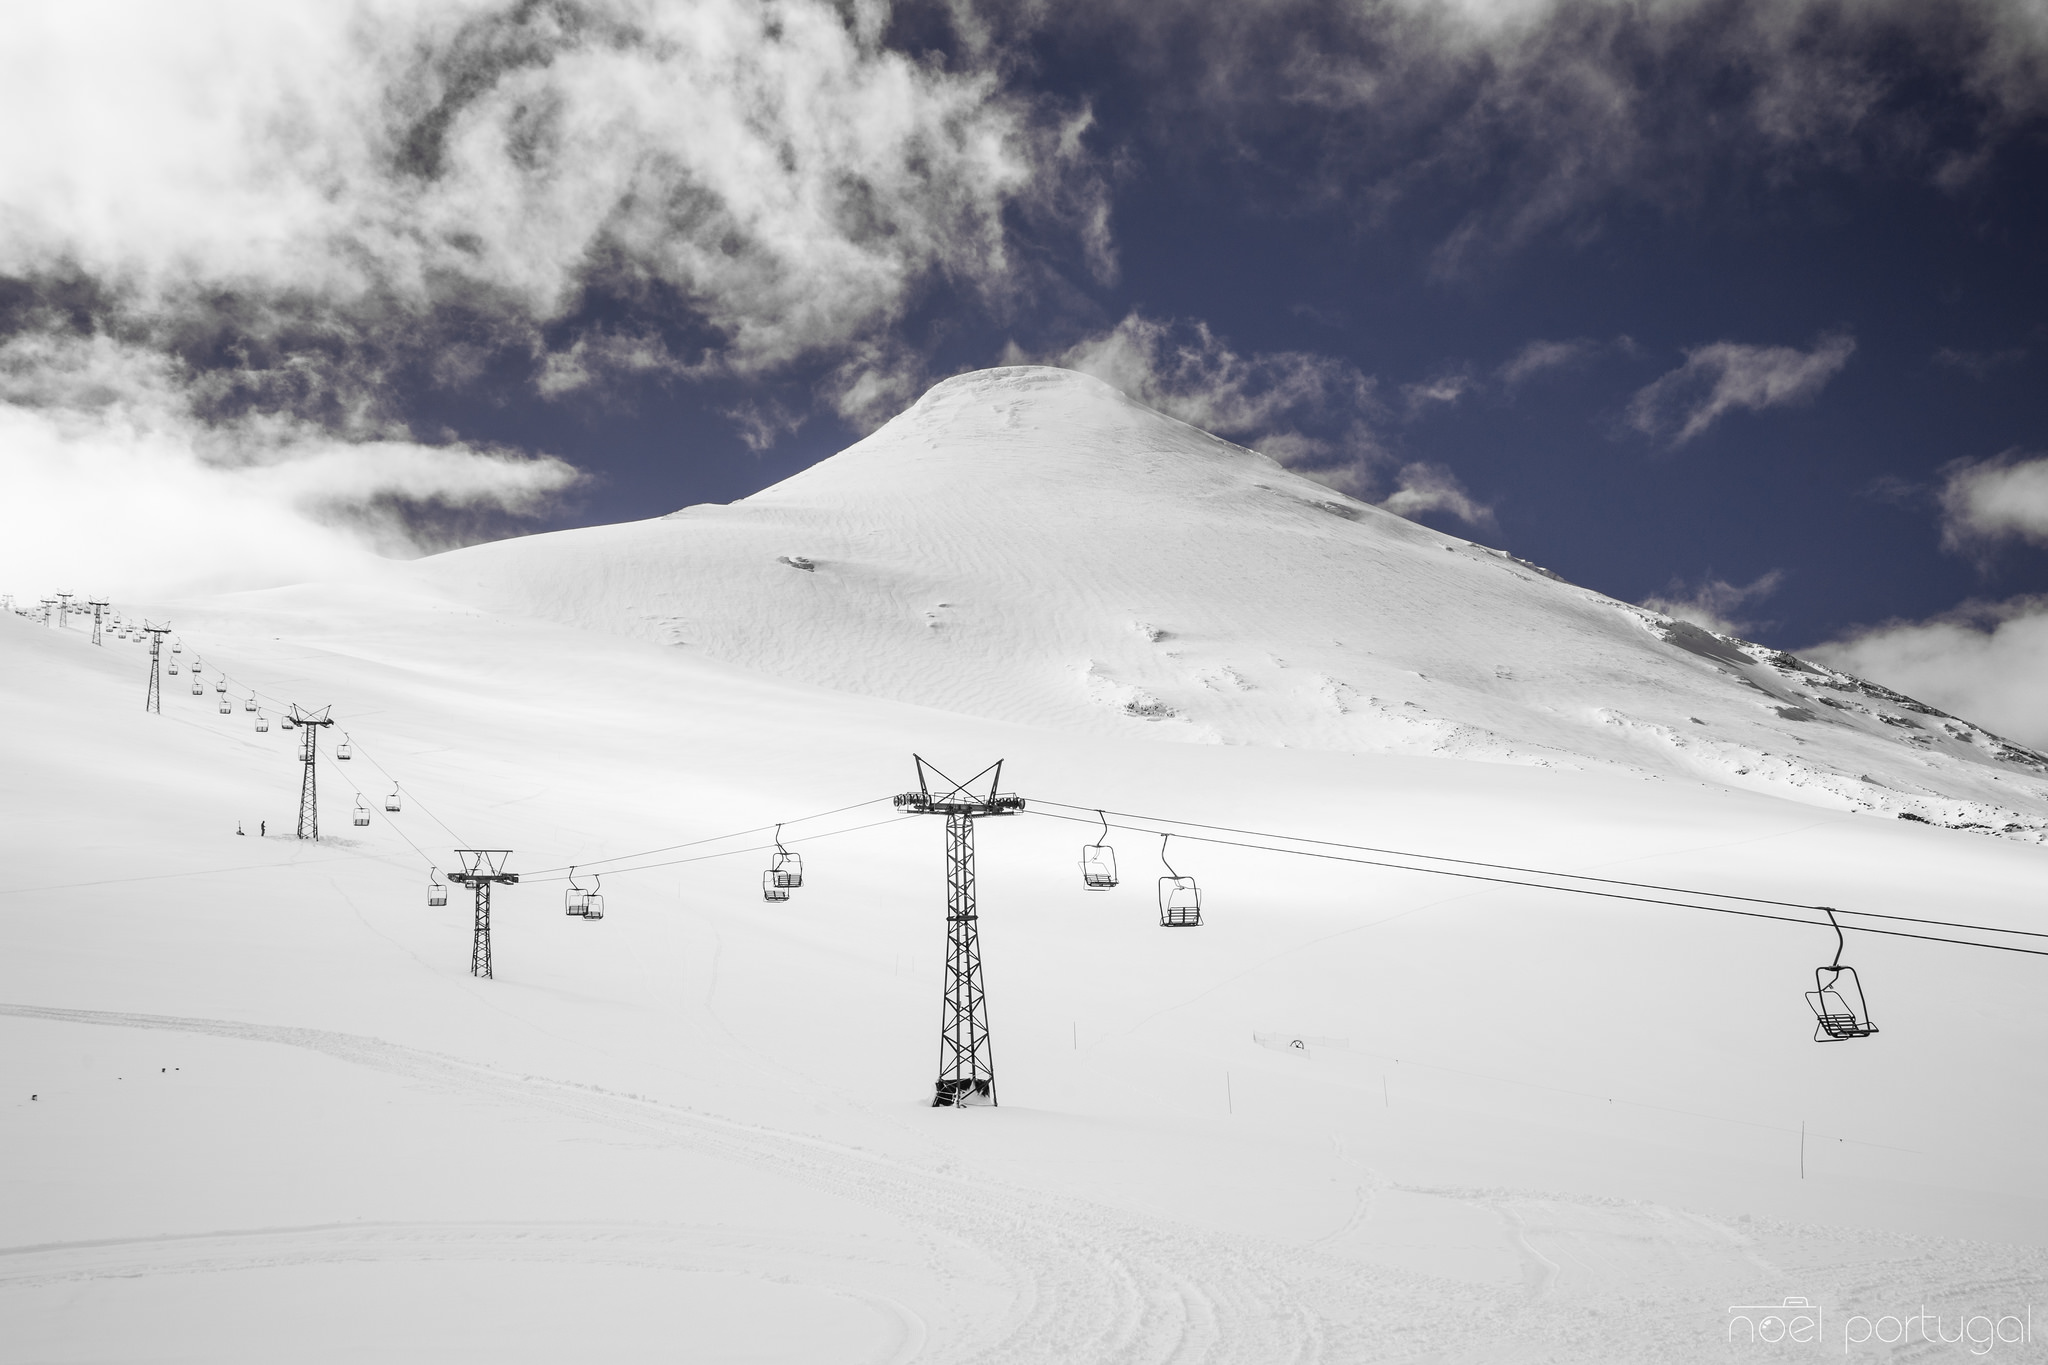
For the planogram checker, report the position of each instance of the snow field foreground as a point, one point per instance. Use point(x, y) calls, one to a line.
point(277, 1119)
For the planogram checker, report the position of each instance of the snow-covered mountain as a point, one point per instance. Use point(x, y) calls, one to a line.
point(1029, 544)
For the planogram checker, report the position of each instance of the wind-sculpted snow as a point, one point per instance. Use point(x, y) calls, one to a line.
point(1028, 544)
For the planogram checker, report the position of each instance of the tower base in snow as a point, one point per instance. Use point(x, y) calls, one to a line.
point(954, 1094)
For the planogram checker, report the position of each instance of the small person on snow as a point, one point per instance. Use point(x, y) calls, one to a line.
point(238, 827)
point(263, 829)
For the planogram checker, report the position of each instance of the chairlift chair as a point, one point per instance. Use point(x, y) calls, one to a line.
point(177, 648)
point(769, 890)
point(220, 684)
point(198, 688)
point(437, 890)
point(262, 725)
point(250, 705)
point(786, 868)
point(1839, 1010)
point(174, 668)
point(1098, 861)
point(391, 801)
point(593, 903)
point(362, 815)
point(227, 708)
point(287, 722)
point(341, 750)
point(576, 899)
point(1180, 900)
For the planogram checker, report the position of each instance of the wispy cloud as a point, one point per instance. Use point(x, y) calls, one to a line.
point(1315, 413)
point(1444, 390)
point(1426, 487)
point(1277, 397)
point(1978, 364)
point(1543, 357)
point(1554, 112)
point(1715, 603)
point(1726, 376)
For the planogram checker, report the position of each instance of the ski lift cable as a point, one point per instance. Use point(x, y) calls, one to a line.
point(1578, 890)
point(357, 745)
point(723, 853)
point(1433, 857)
point(713, 839)
point(342, 773)
point(1539, 871)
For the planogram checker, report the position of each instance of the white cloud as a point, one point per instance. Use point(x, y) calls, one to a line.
point(1986, 501)
point(1715, 602)
point(238, 228)
point(112, 482)
point(765, 169)
point(1424, 487)
point(1983, 662)
point(1718, 379)
point(1539, 357)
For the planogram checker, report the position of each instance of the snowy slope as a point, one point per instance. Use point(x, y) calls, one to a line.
point(276, 1119)
point(1028, 544)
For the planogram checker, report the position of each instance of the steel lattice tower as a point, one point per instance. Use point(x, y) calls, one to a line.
point(98, 605)
point(481, 869)
point(155, 700)
point(967, 1068)
point(64, 609)
point(310, 723)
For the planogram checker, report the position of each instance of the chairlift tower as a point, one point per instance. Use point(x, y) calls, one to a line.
point(482, 868)
point(64, 609)
point(155, 700)
point(967, 1070)
point(310, 724)
point(99, 606)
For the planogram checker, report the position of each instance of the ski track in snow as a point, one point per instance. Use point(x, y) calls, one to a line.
point(1090, 1282)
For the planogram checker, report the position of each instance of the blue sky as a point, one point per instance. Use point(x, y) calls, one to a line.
point(1736, 308)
